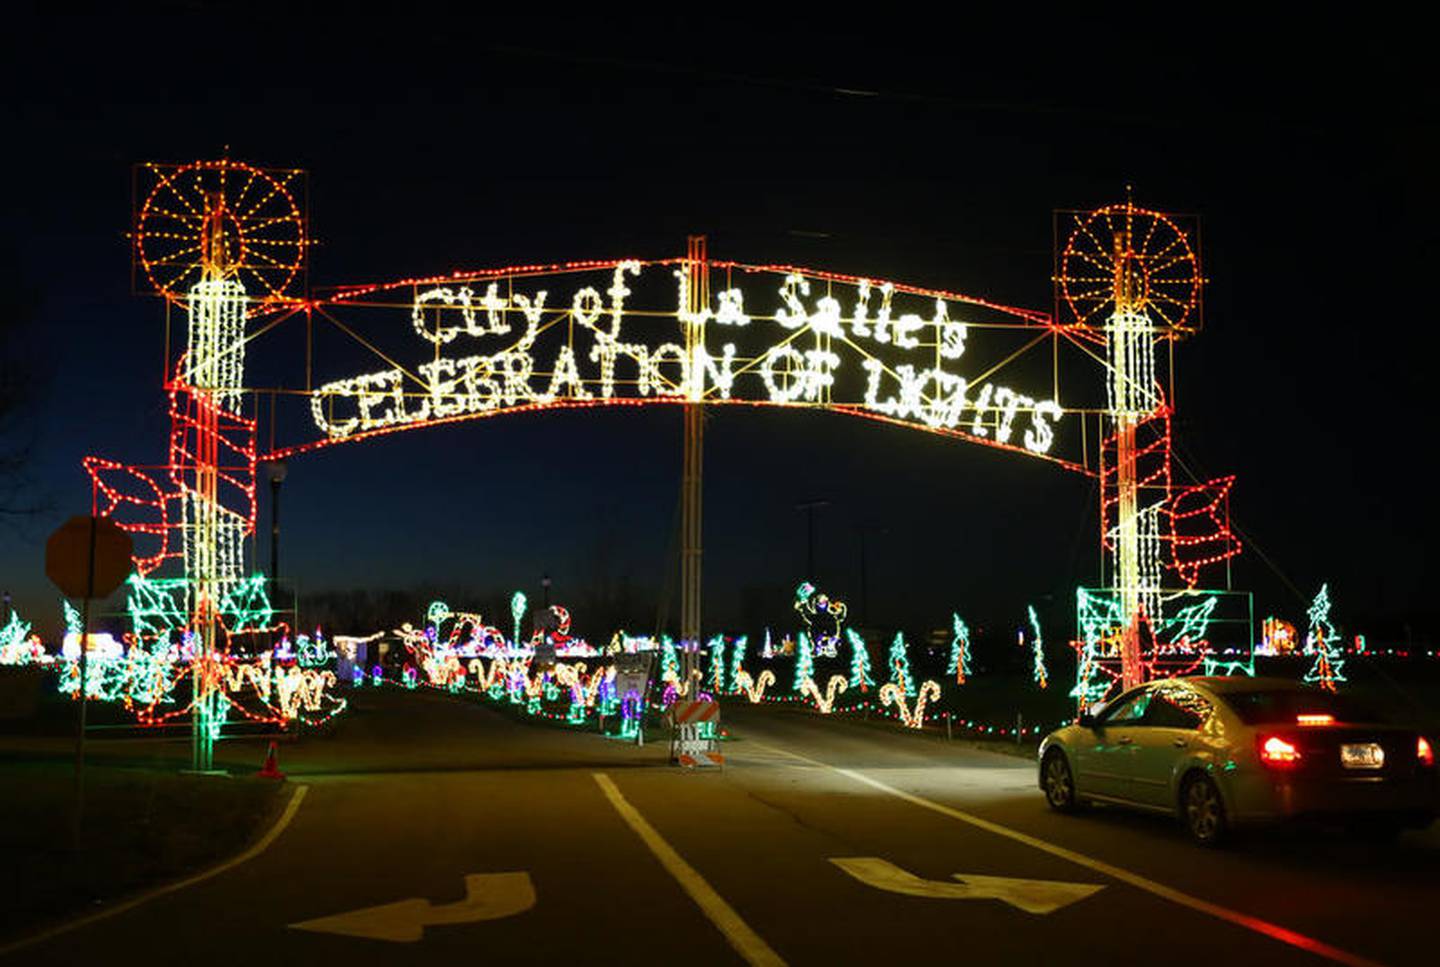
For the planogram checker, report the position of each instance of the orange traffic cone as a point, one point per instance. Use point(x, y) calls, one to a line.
point(271, 768)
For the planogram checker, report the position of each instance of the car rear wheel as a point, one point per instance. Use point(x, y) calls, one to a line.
point(1058, 782)
point(1203, 810)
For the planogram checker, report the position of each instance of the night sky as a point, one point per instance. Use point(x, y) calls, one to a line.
point(931, 153)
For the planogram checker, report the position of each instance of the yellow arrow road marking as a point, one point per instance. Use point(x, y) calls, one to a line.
point(1032, 896)
point(488, 896)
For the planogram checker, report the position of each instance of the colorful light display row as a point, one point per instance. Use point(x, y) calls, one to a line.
point(576, 695)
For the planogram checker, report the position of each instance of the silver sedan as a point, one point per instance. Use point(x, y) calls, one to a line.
point(1223, 752)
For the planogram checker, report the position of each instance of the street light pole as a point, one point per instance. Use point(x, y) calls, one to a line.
point(276, 471)
point(865, 530)
point(810, 506)
point(864, 585)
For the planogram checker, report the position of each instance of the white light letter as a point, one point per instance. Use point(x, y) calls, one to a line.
point(794, 373)
point(794, 286)
point(1039, 438)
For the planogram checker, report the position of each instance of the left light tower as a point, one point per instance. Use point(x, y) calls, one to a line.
point(223, 242)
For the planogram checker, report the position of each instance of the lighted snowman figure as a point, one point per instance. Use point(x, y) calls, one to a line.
point(824, 618)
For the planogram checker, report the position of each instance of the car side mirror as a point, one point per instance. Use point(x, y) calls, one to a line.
point(1087, 720)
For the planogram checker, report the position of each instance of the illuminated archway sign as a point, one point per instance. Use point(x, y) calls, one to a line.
point(628, 332)
point(225, 242)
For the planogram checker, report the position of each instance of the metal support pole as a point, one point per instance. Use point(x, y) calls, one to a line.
point(864, 585)
point(692, 475)
point(202, 739)
point(809, 542)
point(275, 530)
point(78, 814)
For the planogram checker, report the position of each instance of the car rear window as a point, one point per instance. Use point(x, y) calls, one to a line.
point(1277, 706)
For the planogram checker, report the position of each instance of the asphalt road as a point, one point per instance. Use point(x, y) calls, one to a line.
point(618, 857)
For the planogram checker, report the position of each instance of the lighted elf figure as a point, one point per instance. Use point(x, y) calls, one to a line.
point(804, 662)
point(959, 650)
point(900, 665)
point(1041, 678)
point(717, 664)
point(737, 662)
point(859, 662)
point(1323, 639)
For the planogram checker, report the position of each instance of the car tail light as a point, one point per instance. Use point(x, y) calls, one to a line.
point(1423, 752)
point(1315, 719)
point(1275, 751)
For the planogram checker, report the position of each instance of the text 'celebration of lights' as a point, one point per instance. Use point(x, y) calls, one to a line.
point(902, 349)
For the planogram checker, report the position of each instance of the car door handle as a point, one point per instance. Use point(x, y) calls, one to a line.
point(1179, 743)
point(1124, 740)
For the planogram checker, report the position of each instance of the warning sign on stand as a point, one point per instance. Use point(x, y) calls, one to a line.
point(694, 726)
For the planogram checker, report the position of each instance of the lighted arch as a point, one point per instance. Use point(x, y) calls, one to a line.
point(627, 332)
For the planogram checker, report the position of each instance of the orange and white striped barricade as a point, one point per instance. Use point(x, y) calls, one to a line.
point(688, 747)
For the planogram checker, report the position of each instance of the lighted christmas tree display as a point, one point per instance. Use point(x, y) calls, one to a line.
point(859, 662)
point(1323, 641)
point(669, 661)
point(1041, 678)
point(900, 665)
point(14, 631)
point(959, 650)
point(737, 663)
point(768, 651)
point(717, 664)
point(804, 662)
point(1100, 621)
point(15, 648)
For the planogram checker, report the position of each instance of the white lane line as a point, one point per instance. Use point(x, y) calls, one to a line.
point(255, 850)
point(746, 941)
point(1265, 927)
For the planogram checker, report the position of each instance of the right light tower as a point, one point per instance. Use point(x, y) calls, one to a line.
point(1127, 279)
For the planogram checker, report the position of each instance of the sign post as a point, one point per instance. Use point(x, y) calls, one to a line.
point(86, 557)
point(689, 745)
point(632, 678)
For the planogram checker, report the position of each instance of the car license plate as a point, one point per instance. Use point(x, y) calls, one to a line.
point(1362, 755)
